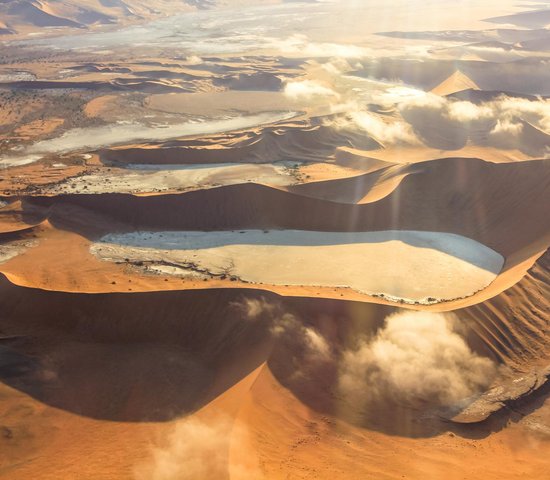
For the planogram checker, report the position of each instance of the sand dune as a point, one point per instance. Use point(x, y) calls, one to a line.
point(301, 141)
point(94, 320)
point(515, 322)
point(154, 178)
point(119, 85)
point(25, 14)
point(15, 217)
point(457, 82)
point(79, 220)
point(526, 76)
point(79, 139)
point(366, 188)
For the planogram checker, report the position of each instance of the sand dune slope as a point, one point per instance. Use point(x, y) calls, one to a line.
point(457, 82)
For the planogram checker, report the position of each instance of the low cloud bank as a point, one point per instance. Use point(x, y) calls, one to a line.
point(308, 89)
point(288, 328)
point(395, 114)
point(300, 45)
point(386, 132)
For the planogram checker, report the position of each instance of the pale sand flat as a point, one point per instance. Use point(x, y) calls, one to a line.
point(151, 178)
point(13, 249)
point(81, 139)
point(411, 266)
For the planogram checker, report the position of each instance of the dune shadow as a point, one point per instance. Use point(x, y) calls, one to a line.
point(140, 357)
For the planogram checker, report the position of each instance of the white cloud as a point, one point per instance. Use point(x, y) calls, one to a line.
point(506, 133)
point(196, 450)
point(300, 45)
point(194, 60)
point(507, 128)
point(286, 326)
point(389, 131)
point(464, 111)
point(428, 101)
point(415, 357)
point(533, 111)
point(307, 89)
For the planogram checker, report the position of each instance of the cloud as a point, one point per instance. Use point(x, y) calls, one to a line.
point(197, 450)
point(287, 327)
point(308, 89)
point(194, 60)
point(502, 108)
point(507, 128)
point(417, 360)
point(399, 94)
point(300, 45)
point(385, 129)
point(415, 357)
point(428, 101)
point(533, 111)
point(309, 340)
point(464, 111)
point(388, 132)
point(256, 308)
point(506, 134)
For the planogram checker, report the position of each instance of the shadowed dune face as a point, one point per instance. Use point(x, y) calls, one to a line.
point(109, 356)
point(302, 141)
point(517, 319)
point(524, 76)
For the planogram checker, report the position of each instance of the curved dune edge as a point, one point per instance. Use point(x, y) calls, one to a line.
point(467, 194)
point(305, 141)
point(358, 181)
point(81, 140)
point(298, 437)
